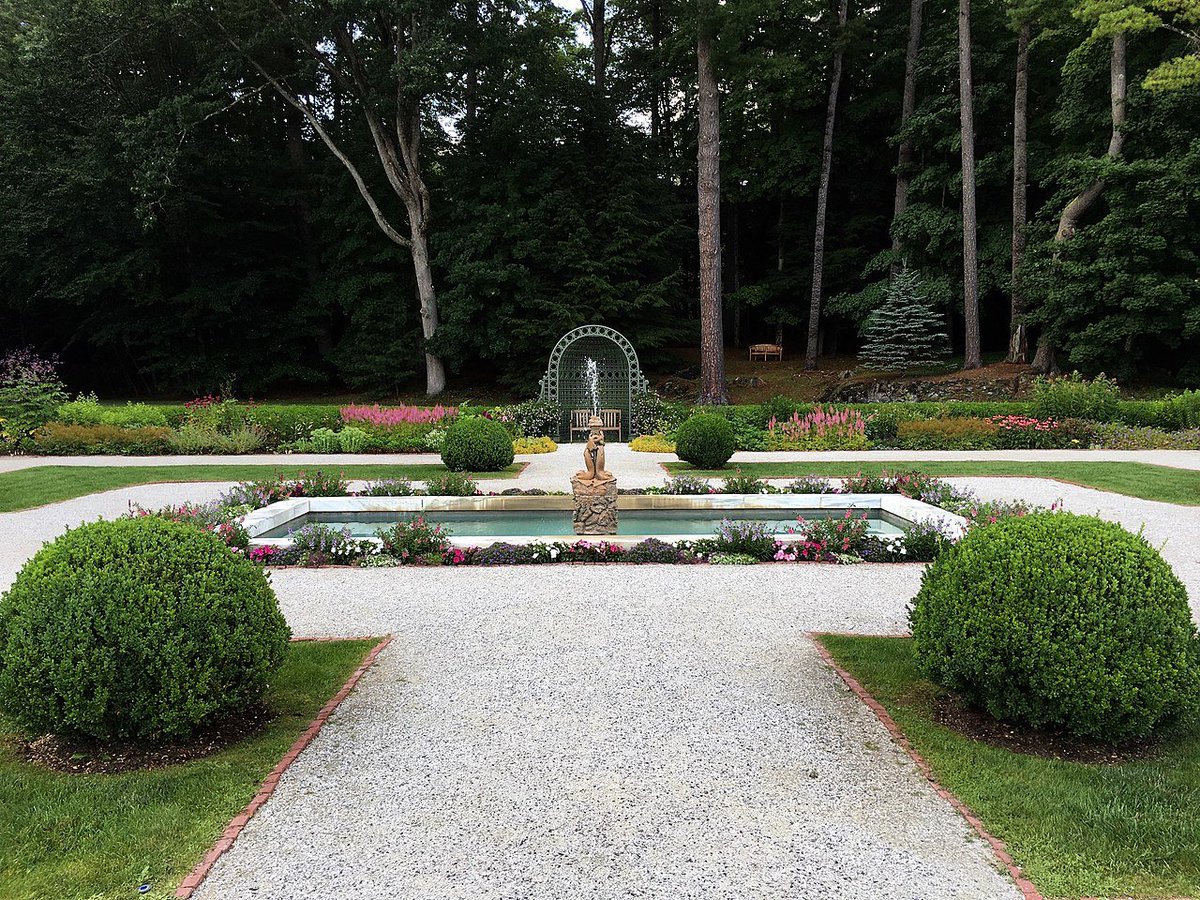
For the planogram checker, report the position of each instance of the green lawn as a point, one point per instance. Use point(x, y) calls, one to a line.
point(1130, 478)
point(1077, 830)
point(97, 837)
point(27, 488)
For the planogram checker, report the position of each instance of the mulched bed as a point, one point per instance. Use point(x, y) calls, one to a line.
point(950, 710)
point(88, 757)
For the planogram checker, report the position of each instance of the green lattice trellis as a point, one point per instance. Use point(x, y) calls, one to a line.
point(565, 381)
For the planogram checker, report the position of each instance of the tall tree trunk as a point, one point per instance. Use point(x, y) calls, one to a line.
point(818, 270)
point(735, 254)
point(907, 104)
point(435, 372)
point(1068, 223)
point(656, 77)
point(471, 90)
point(1045, 359)
point(972, 358)
point(779, 269)
point(596, 15)
point(708, 190)
point(1018, 341)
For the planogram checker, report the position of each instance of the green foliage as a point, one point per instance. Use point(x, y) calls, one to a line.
point(905, 331)
point(30, 392)
point(533, 418)
point(946, 434)
point(352, 440)
point(1060, 621)
point(199, 439)
point(1075, 397)
point(706, 440)
point(69, 440)
point(476, 444)
point(165, 628)
point(755, 540)
point(737, 483)
point(1182, 410)
point(86, 410)
point(654, 415)
point(415, 540)
point(452, 484)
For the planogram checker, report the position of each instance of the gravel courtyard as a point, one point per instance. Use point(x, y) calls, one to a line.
point(616, 731)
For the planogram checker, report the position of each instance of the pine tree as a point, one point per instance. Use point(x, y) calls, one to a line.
point(906, 330)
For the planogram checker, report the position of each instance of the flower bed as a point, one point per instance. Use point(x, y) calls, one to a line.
point(418, 541)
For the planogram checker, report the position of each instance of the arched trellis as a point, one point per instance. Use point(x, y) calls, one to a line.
point(565, 382)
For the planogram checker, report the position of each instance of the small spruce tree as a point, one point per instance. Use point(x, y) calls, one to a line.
point(906, 331)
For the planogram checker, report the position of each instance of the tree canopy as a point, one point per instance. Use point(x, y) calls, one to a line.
point(171, 221)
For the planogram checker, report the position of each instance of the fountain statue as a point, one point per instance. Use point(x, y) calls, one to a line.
point(594, 487)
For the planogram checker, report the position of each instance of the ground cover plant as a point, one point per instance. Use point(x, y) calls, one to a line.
point(1115, 825)
point(1149, 482)
point(72, 836)
point(39, 485)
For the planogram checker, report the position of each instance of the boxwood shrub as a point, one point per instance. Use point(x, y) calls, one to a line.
point(138, 628)
point(1059, 621)
point(706, 440)
point(477, 444)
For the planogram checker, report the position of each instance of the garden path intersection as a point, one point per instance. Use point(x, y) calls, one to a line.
point(617, 731)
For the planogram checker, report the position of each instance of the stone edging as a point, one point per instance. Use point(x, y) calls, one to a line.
point(1024, 885)
point(189, 884)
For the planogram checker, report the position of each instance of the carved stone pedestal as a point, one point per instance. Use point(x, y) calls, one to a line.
point(595, 506)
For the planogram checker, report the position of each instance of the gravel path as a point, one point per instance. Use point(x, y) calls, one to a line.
point(590, 732)
point(563, 740)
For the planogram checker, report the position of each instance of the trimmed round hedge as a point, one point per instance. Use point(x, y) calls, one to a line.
point(136, 628)
point(477, 444)
point(705, 440)
point(1060, 621)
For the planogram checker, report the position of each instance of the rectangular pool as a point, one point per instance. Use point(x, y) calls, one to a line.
point(556, 523)
point(478, 521)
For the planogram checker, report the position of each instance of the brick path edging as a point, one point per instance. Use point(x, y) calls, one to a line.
point(1024, 885)
point(189, 884)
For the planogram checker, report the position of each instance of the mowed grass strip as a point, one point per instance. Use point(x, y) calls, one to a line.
point(1076, 829)
point(1133, 479)
point(37, 486)
point(98, 837)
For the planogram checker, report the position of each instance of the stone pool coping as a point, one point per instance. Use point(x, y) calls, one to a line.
point(260, 521)
point(192, 881)
point(1027, 888)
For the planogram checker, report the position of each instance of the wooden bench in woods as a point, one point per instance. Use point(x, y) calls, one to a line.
point(610, 417)
point(766, 351)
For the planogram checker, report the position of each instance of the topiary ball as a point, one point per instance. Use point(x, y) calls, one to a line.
point(477, 444)
point(1059, 621)
point(136, 628)
point(705, 440)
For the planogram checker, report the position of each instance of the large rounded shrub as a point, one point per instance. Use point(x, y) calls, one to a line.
point(1059, 621)
point(136, 628)
point(477, 444)
point(705, 440)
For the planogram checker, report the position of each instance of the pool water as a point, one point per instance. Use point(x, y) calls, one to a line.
point(556, 523)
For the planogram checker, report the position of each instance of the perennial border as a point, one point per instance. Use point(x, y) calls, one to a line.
point(188, 886)
point(1027, 888)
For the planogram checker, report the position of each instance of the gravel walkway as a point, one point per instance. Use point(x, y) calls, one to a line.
point(566, 732)
point(562, 739)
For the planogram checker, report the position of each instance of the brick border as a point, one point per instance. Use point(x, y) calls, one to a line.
point(189, 884)
point(1024, 885)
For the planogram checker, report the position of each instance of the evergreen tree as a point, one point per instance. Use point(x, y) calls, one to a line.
point(906, 330)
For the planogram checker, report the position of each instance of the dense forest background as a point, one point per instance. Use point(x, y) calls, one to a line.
point(170, 222)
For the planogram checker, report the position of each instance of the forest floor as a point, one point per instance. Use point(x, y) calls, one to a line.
point(839, 378)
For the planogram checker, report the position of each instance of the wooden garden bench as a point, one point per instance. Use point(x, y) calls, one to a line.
point(766, 351)
point(610, 417)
